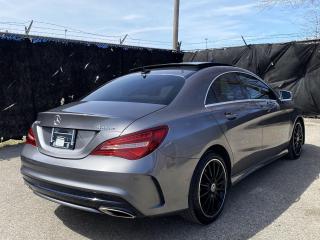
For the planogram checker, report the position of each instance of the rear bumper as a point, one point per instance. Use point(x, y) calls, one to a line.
point(93, 182)
point(83, 200)
point(154, 185)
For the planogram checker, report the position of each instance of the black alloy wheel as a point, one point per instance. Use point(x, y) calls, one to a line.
point(208, 190)
point(296, 142)
point(212, 187)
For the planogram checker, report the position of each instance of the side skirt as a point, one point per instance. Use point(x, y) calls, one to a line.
point(238, 177)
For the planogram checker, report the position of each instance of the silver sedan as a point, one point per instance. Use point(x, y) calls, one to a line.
point(164, 139)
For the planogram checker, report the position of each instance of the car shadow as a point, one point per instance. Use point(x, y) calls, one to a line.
point(9, 152)
point(253, 204)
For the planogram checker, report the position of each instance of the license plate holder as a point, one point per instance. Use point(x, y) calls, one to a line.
point(63, 138)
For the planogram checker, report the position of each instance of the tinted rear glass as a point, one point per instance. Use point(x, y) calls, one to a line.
point(155, 89)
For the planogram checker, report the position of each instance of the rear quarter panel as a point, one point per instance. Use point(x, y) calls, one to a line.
point(189, 136)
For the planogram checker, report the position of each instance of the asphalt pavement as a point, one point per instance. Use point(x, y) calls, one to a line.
point(280, 201)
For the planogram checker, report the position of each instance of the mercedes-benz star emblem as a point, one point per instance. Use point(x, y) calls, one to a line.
point(57, 120)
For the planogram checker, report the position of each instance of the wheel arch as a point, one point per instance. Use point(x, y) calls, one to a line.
point(222, 151)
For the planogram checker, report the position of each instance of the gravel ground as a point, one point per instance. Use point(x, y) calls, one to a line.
point(280, 201)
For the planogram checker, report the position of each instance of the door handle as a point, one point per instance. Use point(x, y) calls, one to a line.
point(230, 116)
point(267, 106)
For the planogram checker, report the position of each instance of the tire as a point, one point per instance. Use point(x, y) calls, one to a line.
point(208, 190)
point(296, 141)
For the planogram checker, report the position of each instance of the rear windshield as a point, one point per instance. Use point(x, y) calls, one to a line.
point(155, 89)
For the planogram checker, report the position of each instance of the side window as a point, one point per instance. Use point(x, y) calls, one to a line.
point(211, 98)
point(228, 88)
point(255, 88)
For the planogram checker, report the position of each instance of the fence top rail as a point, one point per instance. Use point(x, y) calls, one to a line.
point(37, 39)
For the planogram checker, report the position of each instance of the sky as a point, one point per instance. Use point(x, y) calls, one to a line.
point(203, 23)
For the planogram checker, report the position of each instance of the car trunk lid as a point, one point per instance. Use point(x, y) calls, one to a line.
point(93, 122)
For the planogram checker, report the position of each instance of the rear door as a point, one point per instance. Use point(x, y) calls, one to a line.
point(273, 119)
point(235, 113)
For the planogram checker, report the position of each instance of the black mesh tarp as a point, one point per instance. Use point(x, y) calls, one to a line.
point(38, 74)
point(293, 66)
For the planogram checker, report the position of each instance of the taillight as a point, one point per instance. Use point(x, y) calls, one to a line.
point(133, 146)
point(30, 138)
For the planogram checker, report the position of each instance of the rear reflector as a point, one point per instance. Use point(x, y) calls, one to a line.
point(133, 146)
point(30, 138)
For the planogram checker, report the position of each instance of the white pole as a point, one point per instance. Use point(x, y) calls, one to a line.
point(175, 24)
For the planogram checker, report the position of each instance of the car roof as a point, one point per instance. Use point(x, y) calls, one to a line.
point(192, 66)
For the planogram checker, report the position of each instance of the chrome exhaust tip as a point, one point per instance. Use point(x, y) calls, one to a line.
point(115, 212)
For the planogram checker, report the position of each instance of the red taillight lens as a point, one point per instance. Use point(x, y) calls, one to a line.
point(30, 138)
point(133, 146)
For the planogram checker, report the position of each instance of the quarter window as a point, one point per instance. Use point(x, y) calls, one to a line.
point(211, 98)
point(226, 88)
point(255, 88)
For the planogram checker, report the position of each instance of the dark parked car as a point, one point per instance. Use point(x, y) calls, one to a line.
point(163, 139)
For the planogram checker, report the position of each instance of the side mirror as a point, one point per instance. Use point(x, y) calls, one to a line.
point(285, 95)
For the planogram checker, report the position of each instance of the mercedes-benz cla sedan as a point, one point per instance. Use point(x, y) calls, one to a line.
point(163, 139)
